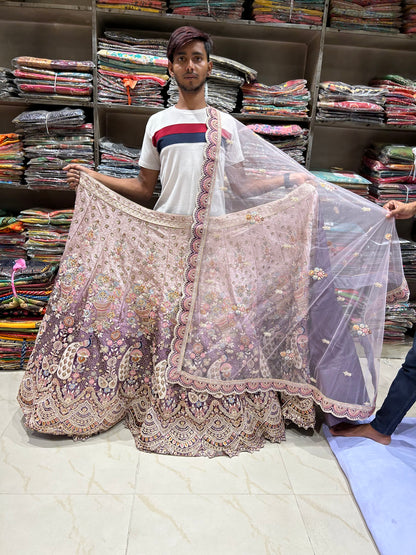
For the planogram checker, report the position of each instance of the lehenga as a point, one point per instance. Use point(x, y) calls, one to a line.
point(208, 334)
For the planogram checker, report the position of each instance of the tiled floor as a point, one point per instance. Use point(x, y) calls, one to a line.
point(102, 496)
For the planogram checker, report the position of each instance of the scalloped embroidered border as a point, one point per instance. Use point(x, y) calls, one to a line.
point(196, 245)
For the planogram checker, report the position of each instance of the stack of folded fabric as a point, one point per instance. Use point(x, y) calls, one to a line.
point(400, 103)
point(223, 85)
point(11, 160)
point(347, 179)
point(409, 16)
point(369, 15)
point(39, 78)
point(408, 250)
point(22, 309)
point(51, 140)
point(340, 101)
point(125, 42)
point(117, 159)
point(391, 170)
point(292, 139)
point(287, 100)
point(306, 12)
point(151, 6)
point(12, 237)
point(7, 84)
point(225, 9)
point(46, 231)
point(128, 74)
point(399, 319)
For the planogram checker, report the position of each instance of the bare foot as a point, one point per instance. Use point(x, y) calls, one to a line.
point(359, 430)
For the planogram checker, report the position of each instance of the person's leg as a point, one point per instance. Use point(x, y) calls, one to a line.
point(401, 396)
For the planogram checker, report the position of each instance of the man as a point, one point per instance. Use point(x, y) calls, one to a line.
point(180, 166)
point(402, 392)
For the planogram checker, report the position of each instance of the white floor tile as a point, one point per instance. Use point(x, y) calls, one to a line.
point(260, 472)
point(335, 525)
point(217, 524)
point(9, 385)
point(31, 463)
point(311, 465)
point(64, 524)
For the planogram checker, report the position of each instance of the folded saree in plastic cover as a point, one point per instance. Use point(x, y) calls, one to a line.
point(180, 321)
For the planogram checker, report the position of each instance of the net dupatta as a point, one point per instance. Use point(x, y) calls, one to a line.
point(287, 290)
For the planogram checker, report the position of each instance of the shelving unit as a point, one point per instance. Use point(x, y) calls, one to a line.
point(278, 52)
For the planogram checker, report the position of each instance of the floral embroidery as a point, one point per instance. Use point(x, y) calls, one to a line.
point(317, 274)
point(361, 329)
point(254, 218)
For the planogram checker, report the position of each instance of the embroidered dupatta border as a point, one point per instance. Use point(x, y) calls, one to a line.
point(199, 228)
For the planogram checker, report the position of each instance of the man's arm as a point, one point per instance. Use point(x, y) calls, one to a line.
point(400, 210)
point(140, 188)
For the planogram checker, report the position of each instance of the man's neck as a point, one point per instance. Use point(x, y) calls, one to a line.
point(191, 101)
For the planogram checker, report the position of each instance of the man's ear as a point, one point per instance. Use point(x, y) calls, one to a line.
point(170, 69)
point(209, 68)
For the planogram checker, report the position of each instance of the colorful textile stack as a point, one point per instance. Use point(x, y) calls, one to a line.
point(340, 101)
point(400, 106)
point(288, 100)
point(12, 237)
point(292, 139)
point(39, 78)
point(223, 85)
point(399, 319)
point(131, 78)
point(11, 160)
point(51, 140)
point(117, 159)
point(24, 294)
point(391, 170)
point(369, 15)
point(408, 250)
point(409, 16)
point(347, 179)
point(7, 84)
point(226, 9)
point(46, 232)
point(152, 6)
point(305, 12)
point(125, 42)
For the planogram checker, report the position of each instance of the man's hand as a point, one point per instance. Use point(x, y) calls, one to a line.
point(400, 210)
point(73, 173)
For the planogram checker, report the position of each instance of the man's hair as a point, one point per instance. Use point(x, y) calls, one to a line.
point(184, 35)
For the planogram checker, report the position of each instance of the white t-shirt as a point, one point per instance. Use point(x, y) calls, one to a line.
point(174, 144)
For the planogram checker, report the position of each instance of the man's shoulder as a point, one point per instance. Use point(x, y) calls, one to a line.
point(160, 117)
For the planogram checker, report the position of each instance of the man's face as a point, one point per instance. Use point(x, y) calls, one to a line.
point(190, 66)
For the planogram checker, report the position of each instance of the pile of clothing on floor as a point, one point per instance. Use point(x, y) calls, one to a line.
point(292, 139)
point(391, 170)
point(39, 78)
point(347, 179)
point(368, 15)
point(131, 70)
point(289, 99)
point(400, 106)
point(306, 12)
point(11, 160)
point(340, 101)
point(53, 139)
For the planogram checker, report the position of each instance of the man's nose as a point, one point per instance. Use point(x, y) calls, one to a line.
point(190, 66)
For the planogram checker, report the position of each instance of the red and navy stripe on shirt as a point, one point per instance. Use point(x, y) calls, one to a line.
point(183, 133)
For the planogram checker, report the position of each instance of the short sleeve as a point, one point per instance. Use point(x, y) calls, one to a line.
point(233, 151)
point(149, 156)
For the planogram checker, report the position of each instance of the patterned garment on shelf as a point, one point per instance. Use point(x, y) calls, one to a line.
point(207, 333)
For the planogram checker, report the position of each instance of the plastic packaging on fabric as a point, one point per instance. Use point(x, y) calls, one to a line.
point(284, 292)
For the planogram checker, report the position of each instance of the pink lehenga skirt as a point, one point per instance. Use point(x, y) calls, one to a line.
point(104, 341)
